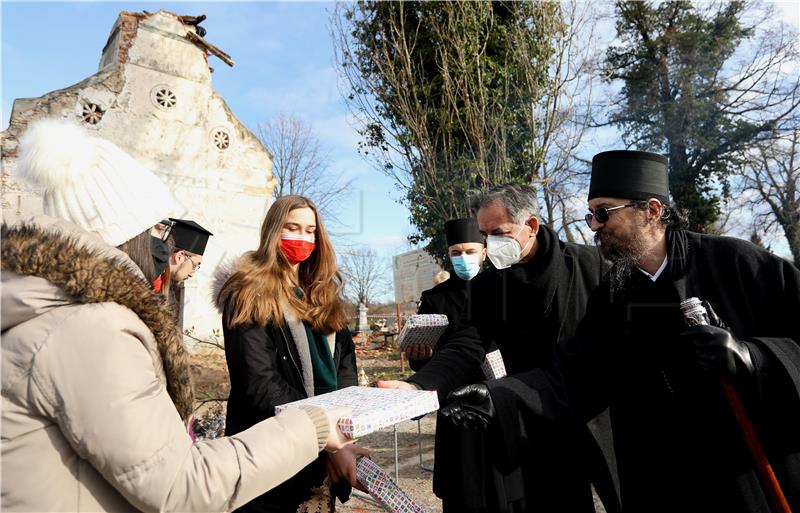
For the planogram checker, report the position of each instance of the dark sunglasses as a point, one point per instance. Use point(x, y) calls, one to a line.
point(601, 214)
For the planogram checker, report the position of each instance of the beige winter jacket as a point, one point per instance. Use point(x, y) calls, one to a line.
point(94, 376)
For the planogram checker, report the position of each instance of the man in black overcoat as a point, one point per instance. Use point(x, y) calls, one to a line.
point(530, 300)
point(678, 445)
point(462, 460)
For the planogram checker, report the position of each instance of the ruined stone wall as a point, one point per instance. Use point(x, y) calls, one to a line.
point(153, 97)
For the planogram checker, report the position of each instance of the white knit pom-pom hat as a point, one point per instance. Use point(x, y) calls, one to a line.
point(91, 182)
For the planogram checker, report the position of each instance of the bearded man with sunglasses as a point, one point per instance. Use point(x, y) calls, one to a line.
point(679, 445)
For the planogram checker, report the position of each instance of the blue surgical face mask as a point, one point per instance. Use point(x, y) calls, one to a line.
point(466, 266)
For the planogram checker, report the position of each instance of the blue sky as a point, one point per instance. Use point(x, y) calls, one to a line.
point(284, 63)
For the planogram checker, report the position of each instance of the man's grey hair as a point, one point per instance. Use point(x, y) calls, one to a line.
point(519, 201)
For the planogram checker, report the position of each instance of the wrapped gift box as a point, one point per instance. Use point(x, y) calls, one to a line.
point(493, 366)
point(383, 489)
point(373, 408)
point(422, 329)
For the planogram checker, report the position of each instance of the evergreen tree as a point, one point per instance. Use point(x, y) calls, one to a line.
point(446, 93)
point(684, 96)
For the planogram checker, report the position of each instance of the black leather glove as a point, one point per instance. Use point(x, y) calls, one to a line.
point(717, 350)
point(470, 406)
point(713, 318)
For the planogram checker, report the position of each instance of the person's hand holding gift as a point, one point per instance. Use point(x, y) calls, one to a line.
point(336, 439)
point(419, 351)
point(397, 385)
point(341, 465)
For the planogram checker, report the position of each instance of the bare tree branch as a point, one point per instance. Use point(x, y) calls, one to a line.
point(771, 173)
point(301, 165)
point(366, 275)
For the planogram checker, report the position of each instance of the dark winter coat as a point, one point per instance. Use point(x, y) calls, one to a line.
point(526, 310)
point(266, 371)
point(678, 446)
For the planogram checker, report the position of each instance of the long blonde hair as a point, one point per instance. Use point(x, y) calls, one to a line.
point(262, 280)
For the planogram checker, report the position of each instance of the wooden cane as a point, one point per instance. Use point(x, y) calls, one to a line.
point(770, 482)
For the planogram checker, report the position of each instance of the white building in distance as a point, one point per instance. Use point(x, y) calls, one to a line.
point(413, 273)
point(152, 96)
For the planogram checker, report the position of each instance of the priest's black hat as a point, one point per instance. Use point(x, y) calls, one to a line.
point(636, 175)
point(189, 236)
point(459, 231)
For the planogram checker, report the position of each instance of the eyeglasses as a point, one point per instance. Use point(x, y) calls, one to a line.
point(601, 214)
point(190, 259)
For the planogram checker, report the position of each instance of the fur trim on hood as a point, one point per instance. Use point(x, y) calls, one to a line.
point(222, 274)
point(89, 276)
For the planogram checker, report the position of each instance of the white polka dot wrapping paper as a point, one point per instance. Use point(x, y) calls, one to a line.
point(383, 489)
point(422, 329)
point(493, 366)
point(373, 408)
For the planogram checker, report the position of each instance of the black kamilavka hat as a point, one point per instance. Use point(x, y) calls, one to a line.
point(459, 231)
point(636, 175)
point(189, 236)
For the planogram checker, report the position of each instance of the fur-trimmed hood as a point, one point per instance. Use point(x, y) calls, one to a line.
point(222, 274)
point(47, 264)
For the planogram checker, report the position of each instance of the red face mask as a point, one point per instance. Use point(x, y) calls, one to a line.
point(297, 248)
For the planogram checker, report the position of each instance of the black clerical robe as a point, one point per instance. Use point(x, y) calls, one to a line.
point(677, 444)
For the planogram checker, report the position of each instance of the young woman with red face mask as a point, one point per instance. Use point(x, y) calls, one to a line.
point(286, 338)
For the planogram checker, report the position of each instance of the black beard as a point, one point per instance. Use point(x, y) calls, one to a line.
point(620, 273)
point(624, 257)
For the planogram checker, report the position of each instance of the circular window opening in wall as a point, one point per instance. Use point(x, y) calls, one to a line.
point(163, 97)
point(221, 138)
point(91, 113)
